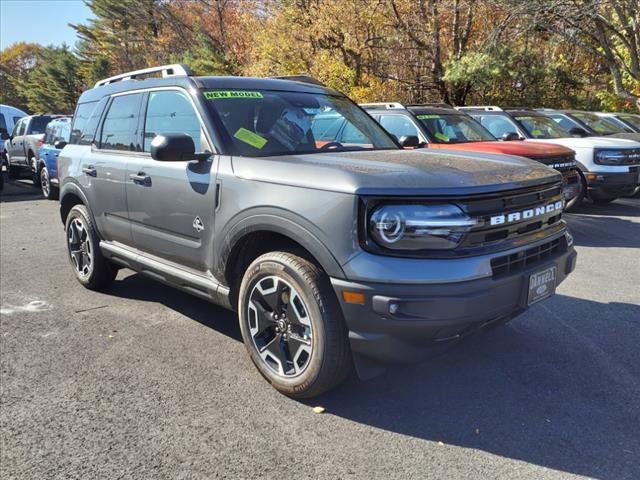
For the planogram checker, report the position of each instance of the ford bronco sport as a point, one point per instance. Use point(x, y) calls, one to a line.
point(442, 126)
point(334, 253)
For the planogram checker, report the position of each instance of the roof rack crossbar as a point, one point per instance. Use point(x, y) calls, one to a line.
point(387, 105)
point(431, 105)
point(166, 70)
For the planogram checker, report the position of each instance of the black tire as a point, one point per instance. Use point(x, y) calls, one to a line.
point(12, 171)
point(48, 191)
point(575, 202)
point(329, 361)
point(100, 273)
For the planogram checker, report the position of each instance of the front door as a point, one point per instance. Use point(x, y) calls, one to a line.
point(16, 150)
point(171, 203)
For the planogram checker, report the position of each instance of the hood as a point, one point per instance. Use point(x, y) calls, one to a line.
point(627, 135)
point(516, 147)
point(588, 142)
point(398, 172)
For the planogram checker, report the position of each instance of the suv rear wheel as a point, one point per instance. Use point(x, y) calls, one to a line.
point(292, 325)
point(92, 269)
point(48, 190)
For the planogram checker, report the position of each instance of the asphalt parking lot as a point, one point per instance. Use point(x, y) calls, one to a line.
point(147, 382)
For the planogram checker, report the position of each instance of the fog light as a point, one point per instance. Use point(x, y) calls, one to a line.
point(393, 308)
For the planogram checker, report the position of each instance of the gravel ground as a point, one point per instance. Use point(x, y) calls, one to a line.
point(147, 382)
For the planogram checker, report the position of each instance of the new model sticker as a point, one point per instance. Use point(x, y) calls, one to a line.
point(526, 214)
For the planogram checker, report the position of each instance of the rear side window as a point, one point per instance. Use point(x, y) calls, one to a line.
point(120, 126)
point(85, 122)
point(170, 111)
point(3, 124)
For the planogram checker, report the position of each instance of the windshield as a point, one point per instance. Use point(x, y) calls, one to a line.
point(631, 120)
point(538, 126)
point(454, 128)
point(599, 124)
point(264, 122)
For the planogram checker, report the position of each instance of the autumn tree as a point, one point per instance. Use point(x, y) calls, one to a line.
point(16, 62)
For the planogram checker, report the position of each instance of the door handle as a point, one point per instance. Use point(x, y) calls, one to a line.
point(140, 178)
point(90, 170)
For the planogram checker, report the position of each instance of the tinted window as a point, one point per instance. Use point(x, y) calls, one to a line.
point(120, 127)
point(171, 112)
point(63, 132)
point(326, 126)
point(565, 122)
point(80, 118)
point(269, 122)
point(399, 125)
point(18, 128)
point(3, 124)
point(38, 125)
point(599, 124)
point(497, 125)
point(454, 128)
point(49, 134)
point(542, 127)
point(632, 120)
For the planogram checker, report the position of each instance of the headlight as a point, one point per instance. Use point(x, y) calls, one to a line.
point(419, 227)
point(617, 157)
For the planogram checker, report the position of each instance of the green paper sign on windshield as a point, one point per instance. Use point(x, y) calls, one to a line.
point(536, 133)
point(224, 94)
point(427, 117)
point(248, 137)
point(441, 136)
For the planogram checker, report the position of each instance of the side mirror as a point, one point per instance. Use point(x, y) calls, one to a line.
point(5, 135)
point(59, 144)
point(409, 141)
point(578, 132)
point(510, 136)
point(175, 147)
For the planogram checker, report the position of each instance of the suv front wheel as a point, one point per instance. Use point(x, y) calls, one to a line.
point(92, 269)
point(292, 325)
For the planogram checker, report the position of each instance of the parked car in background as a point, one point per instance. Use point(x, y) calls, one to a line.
point(628, 120)
point(588, 124)
point(23, 145)
point(444, 127)
point(331, 252)
point(609, 166)
point(56, 136)
point(9, 116)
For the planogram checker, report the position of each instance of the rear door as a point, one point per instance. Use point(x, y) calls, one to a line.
point(118, 140)
point(171, 203)
point(16, 149)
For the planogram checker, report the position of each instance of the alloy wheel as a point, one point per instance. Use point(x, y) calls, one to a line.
point(44, 182)
point(80, 248)
point(280, 326)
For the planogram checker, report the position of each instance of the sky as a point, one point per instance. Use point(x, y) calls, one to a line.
point(40, 21)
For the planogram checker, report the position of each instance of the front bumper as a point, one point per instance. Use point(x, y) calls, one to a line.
point(426, 315)
point(610, 184)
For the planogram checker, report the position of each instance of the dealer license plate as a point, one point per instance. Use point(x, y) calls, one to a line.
point(542, 284)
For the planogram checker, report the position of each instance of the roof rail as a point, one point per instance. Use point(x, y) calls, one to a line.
point(385, 105)
point(486, 108)
point(431, 105)
point(166, 70)
point(300, 78)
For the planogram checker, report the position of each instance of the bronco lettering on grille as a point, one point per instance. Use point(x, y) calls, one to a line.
point(526, 214)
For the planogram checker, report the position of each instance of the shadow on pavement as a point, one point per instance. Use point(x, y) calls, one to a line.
point(601, 225)
point(557, 387)
point(139, 287)
point(19, 191)
point(623, 207)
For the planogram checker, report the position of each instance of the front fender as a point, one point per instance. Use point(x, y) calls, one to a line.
point(283, 222)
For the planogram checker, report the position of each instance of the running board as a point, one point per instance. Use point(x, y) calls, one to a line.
point(188, 281)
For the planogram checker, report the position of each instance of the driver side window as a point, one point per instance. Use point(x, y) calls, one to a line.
point(170, 111)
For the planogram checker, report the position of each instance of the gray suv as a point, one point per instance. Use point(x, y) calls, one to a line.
point(336, 251)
